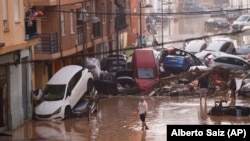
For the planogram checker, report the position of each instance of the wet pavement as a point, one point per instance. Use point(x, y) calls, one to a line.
point(117, 120)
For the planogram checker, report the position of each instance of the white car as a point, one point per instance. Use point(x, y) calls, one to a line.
point(217, 47)
point(232, 62)
point(63, 91)
point(196, 46)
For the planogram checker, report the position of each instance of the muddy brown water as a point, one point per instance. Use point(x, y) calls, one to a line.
point(117, 120)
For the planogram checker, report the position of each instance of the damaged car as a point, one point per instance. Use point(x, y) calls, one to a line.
point(126, 83)
point(63, 91)
point(87, 105)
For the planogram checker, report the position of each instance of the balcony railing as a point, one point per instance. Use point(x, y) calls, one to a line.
point(48, 44)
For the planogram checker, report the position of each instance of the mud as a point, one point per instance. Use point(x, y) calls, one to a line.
point(117, 120)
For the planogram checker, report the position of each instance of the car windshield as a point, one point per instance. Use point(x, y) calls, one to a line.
point(242, 18)
point(53, 92)
point(215, 46)
point(146, 73)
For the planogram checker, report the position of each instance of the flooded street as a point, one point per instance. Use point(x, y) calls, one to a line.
point(117, 120)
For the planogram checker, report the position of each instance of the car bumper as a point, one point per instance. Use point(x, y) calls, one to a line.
point(59, 116)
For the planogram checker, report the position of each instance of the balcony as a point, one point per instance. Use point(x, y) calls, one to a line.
point(48, 44)
point(53, 2)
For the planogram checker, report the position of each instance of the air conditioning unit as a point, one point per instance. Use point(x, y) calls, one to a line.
point(82, 15)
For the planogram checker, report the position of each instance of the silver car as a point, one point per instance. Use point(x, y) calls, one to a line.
point(227, 60)
point(241, 21)
point(217, 47)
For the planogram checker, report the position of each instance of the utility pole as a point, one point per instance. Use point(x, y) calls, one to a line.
point(162, 23)
point(140, 38)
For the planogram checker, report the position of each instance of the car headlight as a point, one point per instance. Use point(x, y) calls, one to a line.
point(57, 111)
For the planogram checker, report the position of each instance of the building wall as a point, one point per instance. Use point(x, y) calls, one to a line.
point(16, 50)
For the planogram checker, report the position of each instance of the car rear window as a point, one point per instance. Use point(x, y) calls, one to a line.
point(146, 73)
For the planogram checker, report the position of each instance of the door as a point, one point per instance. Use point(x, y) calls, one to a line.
point(3, 99)
point(25, 88)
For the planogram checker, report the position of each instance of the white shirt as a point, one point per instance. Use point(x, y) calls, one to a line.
point(142, 107)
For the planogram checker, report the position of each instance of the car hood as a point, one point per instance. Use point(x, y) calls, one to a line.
point(48, 107)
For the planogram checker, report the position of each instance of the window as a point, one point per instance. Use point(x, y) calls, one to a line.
point(17, 10)
point(74, 81)
point(62, 24)
point(71, 22)
point(5, 14)
point(222, 60)
point(237, 62)
point(225, 47)
point(146, 73)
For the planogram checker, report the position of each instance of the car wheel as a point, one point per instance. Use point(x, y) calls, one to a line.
point(67, 113)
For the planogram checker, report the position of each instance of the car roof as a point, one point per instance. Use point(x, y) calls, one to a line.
point(228, 55)
point(194, 45)
point(216, 44)
point(63, 75)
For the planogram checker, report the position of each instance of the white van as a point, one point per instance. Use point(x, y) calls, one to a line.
point(62, 92)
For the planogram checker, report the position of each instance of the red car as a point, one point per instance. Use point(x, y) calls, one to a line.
point(145, 67)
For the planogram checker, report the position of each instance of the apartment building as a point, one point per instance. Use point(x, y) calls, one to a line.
point(38, 37)
point(15, 65)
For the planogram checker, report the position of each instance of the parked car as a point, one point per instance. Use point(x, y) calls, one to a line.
point(232, 62)
point(231, 13)
point(110, 63)
point(63, 91)
point(217, 22)
point(126, 83)
point(88, 104)
point(196, 46)
point(225, 46)
point(241, 21)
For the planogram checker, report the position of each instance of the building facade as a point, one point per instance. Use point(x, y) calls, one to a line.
point(38, 37)
point(15, 65)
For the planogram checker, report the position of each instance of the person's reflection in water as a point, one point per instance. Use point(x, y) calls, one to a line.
point(143, 136)
point(203, 110)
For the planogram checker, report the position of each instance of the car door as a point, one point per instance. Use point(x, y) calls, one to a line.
point(240, 64)
point(223, 61)
point(75, 89)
